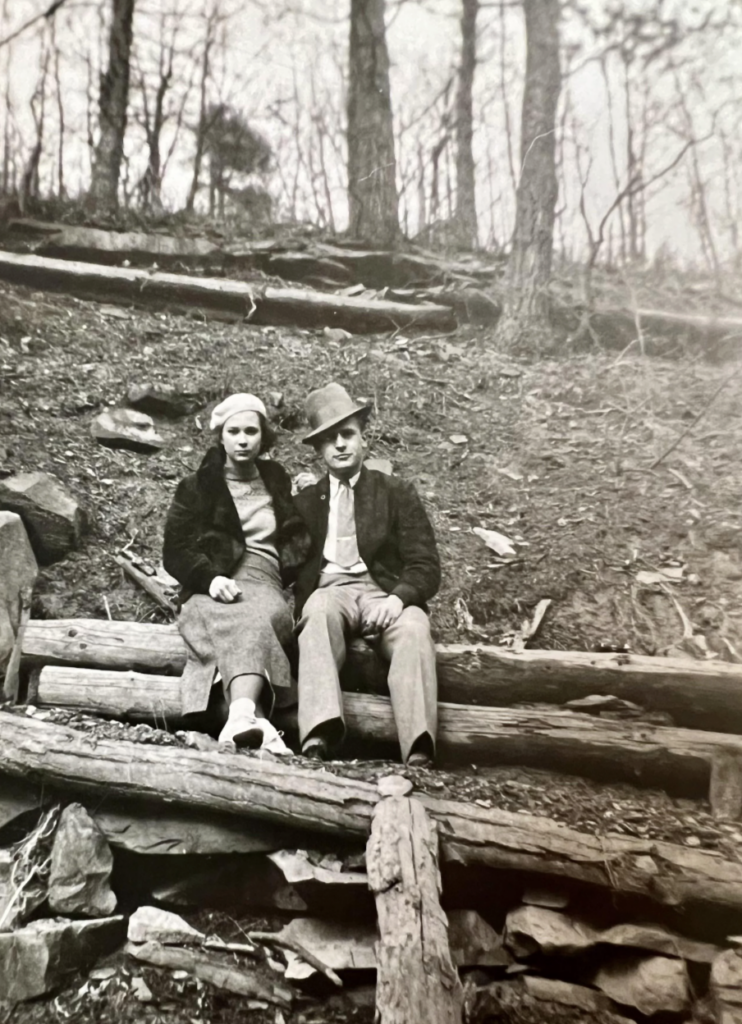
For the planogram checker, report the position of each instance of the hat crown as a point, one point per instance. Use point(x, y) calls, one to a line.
point(329, 406)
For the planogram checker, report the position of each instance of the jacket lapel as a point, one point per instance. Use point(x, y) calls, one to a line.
point(222, 512)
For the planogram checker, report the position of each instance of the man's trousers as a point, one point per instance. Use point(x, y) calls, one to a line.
point(332, 615)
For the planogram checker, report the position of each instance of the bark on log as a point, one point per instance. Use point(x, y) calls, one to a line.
point(681, 760)
point(699, 695)
point(416, 979)
point(319, 801)
point(290, 306)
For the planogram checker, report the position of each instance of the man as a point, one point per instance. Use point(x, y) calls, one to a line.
point(372, 566)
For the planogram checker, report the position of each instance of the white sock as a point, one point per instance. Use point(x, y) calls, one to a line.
point(242, 707)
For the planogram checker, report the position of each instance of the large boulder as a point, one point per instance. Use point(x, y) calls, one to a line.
point(18, 571)
point(52, 517)
point(81, 867)
point(530, 929)
point(161, 400)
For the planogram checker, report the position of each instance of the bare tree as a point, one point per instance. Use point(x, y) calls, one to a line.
point(466, 203)
point(372, 187)
point(529, 266)
point(113, 104)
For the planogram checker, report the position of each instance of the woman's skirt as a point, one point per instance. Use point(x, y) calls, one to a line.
point(246, 637)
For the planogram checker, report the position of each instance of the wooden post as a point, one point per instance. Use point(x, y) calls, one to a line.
point(417, 982)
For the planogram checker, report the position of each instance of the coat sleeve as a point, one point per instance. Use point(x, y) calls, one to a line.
point(293, 536)
point(421, 568)
point(181, 555)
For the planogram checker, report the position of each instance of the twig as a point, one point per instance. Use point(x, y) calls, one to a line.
point(690, 426)
point(274, 939)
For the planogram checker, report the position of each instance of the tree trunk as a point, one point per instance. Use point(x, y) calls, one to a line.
point(372, 186)
point(529, 267)
point(114, 99)
point(320, 801)
point(416, 979)
point(466, 206)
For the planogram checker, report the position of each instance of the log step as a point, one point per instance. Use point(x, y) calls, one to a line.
point(698, 695)
point(681, 760)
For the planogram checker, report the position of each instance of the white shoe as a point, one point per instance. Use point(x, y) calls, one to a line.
point(272, 739)
point(242, 725)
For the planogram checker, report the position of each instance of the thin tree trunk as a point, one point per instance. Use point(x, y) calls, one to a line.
point(372, 186)
point(114, 100)
point(202, 127)
point(466, 206)
point(529, 267)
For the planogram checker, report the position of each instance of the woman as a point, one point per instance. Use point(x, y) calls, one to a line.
point(231, 539)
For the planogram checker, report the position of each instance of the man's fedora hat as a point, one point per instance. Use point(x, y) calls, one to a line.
point(327, 407)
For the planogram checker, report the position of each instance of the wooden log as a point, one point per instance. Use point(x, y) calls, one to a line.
point(290, 306)
point(698, 694)
point(681, 760)
point(416, 980)
point(319, 801)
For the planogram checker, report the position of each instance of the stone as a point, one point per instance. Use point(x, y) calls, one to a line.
point(542, 896)
point(150, 924)
point(127, 428)
point(650, 984)
point(37, 959)
point(531, 929)
point(566, 993)
point(380, 465)
point(161, 400)
point(18, 572)
point(657, 939)
point(726, 987)
point(474, 942)
point(53, 519)
point(81, 864)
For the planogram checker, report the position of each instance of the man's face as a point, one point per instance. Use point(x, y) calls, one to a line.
point(342, 448)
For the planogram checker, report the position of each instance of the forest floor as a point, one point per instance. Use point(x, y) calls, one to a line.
point(560, 454)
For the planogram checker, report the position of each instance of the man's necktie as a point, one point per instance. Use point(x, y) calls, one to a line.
point(346, 545)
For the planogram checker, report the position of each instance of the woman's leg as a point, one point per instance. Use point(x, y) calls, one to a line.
point(247, 725)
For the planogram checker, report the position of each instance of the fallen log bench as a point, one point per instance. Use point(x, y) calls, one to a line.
point(698, 694)
point(322, 802)
point(683, 761)
point(259, 305)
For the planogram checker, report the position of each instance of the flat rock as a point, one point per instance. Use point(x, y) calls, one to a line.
point(531, 929)
point(36, 959)
point(566, 993)
point(150, 924)
point(544, 896)
point(650, 984)
point(53, 519)
point(656, 939)
point(18, 571)
point(352, 945)
point(81, 864)
point(726, 987)
point(161, 400)
point(127, 428)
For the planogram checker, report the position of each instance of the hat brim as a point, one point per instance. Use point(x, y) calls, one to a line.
point(360, 410)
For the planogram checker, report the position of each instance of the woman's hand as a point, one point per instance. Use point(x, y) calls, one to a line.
point(222, 588)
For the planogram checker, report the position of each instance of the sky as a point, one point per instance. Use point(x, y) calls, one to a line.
point(290, 57)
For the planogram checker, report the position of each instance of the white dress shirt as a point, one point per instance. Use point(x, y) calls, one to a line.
point(329, 550)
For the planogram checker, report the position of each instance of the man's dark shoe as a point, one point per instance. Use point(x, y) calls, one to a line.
point(419, 759)
point(315, 748)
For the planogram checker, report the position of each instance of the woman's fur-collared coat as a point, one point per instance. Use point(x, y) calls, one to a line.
point(203, 533)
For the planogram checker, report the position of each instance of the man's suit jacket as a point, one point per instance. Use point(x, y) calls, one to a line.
point(395, 537)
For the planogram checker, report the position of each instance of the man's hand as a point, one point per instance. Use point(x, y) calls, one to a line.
point(382, 614)
point(302, 480)
point(222, 588)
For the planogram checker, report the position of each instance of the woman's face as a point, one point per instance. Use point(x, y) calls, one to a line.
point(241, 437)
